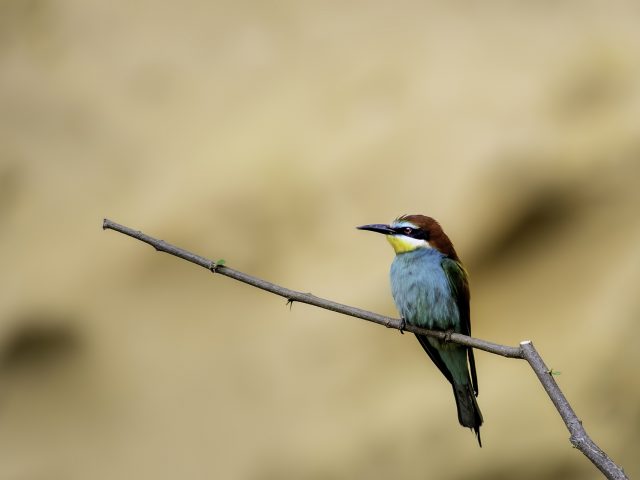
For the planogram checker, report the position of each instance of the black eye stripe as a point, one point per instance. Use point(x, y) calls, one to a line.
point(412, 232)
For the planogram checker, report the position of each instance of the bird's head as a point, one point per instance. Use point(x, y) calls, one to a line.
point(410, 232)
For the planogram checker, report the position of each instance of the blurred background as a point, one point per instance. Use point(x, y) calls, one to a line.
point(263, 133)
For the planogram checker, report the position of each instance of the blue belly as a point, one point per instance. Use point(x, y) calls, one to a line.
point(421, 290)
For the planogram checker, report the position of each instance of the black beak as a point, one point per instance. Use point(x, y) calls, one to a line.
point(378, 228)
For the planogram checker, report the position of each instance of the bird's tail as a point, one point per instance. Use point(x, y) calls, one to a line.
point(468, 411)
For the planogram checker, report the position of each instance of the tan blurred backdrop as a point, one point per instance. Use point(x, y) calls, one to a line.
point(262, 133)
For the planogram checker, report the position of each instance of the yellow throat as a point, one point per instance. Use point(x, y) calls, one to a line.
point(402, 244)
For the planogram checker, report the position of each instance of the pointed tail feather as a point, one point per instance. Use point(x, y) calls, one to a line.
point(468, 411)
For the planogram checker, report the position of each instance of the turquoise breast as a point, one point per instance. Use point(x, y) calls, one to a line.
point(421, 290)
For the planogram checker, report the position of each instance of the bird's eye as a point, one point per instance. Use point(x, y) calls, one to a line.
point(407, 230)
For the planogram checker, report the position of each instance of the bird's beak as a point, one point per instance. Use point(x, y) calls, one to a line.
point(378, 228)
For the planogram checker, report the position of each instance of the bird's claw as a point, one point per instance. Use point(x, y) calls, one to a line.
point(447, 336)
point(403, 325)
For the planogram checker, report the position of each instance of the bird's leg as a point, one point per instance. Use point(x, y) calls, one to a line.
point(403, 325)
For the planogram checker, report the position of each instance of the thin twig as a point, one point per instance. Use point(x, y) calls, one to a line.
point(579, 438)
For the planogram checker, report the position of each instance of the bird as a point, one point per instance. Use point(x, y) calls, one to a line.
point(430, 288)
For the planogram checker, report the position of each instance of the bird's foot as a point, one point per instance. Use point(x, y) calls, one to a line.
point(447, 335)
point(403, 325)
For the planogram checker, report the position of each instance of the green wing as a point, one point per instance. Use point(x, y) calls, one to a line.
point(459, 284)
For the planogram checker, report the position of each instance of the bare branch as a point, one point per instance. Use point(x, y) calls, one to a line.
point(579, 438)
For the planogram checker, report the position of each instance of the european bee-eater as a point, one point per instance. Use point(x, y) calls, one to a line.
point(431, 290)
